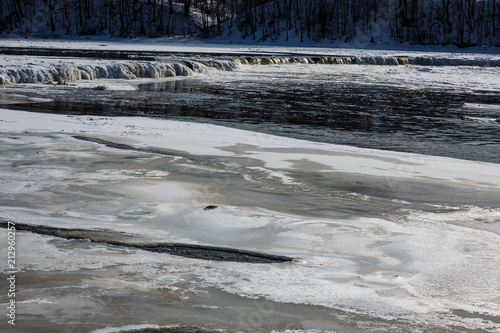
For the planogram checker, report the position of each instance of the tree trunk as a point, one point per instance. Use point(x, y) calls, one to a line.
point(187, 5)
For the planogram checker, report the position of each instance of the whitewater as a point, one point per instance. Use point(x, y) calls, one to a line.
point(143, 223)
point(26, 61)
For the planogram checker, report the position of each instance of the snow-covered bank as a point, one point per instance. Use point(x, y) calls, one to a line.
point(228, 46)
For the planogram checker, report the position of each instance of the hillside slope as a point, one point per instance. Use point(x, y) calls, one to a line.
point(431, 22)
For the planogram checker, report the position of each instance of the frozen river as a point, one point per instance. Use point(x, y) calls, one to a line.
point(422, 109)
point(278, 198)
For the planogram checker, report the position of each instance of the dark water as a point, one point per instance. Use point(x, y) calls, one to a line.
point(345, 108)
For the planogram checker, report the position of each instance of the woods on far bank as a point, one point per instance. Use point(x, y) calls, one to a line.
point(459, 22)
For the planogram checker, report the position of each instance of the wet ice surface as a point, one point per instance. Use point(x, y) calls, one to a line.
point(374, 249)
point(382, 241)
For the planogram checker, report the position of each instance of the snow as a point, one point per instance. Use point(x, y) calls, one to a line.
point(224, 46)
point(276, 153)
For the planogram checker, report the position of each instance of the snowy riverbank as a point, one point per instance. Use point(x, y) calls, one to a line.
point(225, 46)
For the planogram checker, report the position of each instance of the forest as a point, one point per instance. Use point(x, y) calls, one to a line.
point(459, 22)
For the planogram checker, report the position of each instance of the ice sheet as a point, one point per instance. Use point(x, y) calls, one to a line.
point(275, 152)
point(418, 271)
point(415, 267)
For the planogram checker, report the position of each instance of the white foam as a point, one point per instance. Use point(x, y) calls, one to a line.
point(32, 69)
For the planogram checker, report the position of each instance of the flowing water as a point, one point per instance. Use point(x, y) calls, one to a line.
point(345, 104)
point(259, 233)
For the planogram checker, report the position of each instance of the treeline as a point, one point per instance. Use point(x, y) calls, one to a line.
point(120, 18)
point(461, 22)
